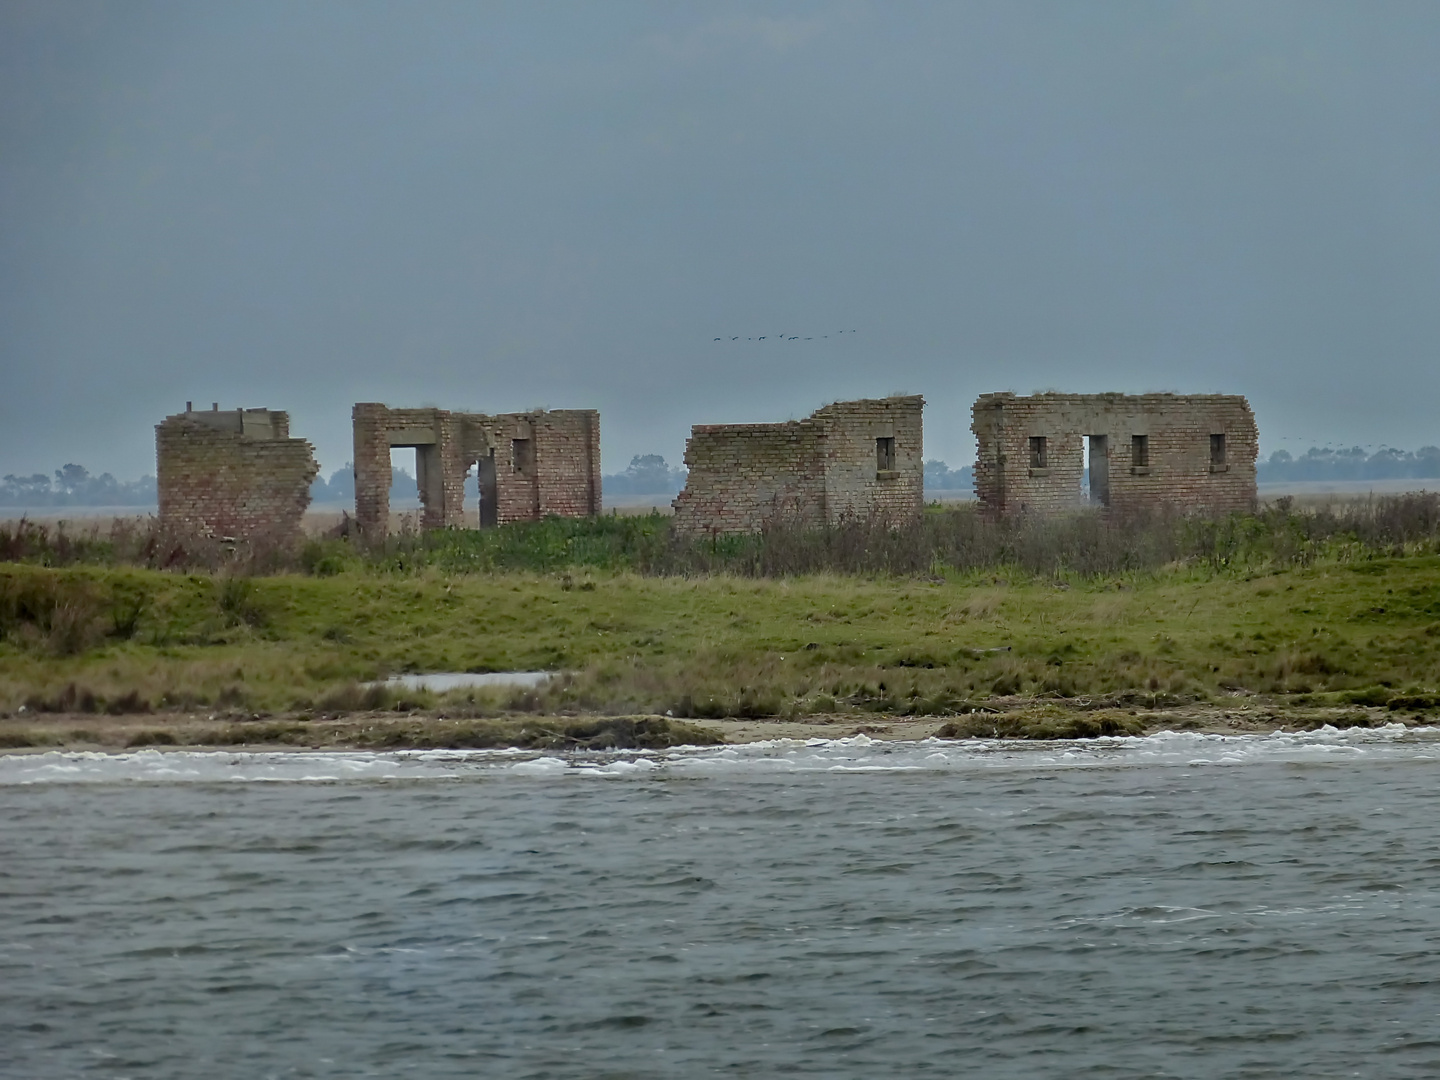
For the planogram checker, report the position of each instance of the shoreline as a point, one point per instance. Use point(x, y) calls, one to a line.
point(372, 731)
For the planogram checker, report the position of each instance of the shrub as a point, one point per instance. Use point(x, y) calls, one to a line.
point(238, 603)
point(57, 614)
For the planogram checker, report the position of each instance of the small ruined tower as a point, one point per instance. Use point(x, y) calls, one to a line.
point(235, 474)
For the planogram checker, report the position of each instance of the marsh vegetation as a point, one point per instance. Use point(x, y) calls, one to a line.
point(1336, 607)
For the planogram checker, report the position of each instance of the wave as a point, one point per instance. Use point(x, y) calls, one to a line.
point(858, 754)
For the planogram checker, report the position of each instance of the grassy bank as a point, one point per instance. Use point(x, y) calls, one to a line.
point(127, 640)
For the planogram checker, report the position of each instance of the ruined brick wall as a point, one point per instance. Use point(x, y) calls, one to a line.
point(743, 475)
point(567, 462)
point(233, 474)
point(376, 429)
point(557, 470)
point(517, 482)
point(819, 470)
point(855, 485)
point(546, 462)
point(1173, 465)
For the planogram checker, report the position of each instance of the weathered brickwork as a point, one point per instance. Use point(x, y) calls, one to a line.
point(849, 460)
point(530, 464)
point(1146, 451)
point(234, 474)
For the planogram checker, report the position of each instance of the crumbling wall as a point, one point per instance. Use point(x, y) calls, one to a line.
point(855, 485)
point(439, 469)
point(235, 474)
point(567, 444)
point(820, 470)
point(743, 475)
point(1147, 451)
point(531, 464)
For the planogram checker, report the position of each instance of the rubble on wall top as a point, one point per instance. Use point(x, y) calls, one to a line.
point(1108, 395)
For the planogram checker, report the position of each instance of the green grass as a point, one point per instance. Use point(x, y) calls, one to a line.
point(1086, 544)
point(125, 639)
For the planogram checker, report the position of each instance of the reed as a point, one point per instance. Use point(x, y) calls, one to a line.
point(955, 539)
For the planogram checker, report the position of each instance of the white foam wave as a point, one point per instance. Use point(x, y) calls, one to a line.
point(858, 754)
point(183, 766)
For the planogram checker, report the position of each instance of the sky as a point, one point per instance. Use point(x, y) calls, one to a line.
point(501, 206)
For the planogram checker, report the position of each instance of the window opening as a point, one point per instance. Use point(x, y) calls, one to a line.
point(1217, 449)
point(1140, 451)
point(1038, 455)
point(885, 453)
point(522, 455)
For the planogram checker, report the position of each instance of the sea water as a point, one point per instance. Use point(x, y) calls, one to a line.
point(1173, 906)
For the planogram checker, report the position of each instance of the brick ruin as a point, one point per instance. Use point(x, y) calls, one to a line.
point(1146, 451)
point(530, 464)
point(239, 474)
point(849, 460)
point(233, 474)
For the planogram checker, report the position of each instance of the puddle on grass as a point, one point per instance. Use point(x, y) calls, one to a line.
point(442, 681)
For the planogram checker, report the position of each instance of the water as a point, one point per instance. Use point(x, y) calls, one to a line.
point(465, 680)
point(1180, 906)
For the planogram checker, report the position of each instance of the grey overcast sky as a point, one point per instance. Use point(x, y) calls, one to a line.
point(496, 206)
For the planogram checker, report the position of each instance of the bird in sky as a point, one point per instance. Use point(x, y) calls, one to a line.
point(790, 337)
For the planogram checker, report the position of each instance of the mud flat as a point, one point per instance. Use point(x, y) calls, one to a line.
point(24, 733)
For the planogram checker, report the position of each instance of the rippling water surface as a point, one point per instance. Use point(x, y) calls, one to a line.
point(1179, 906)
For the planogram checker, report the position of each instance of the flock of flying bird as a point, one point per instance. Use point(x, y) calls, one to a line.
point(782, 337)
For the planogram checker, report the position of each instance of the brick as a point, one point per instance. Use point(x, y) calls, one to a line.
point(235, 474)
point(820, 470)
point(531, 464)
point(1177, 471)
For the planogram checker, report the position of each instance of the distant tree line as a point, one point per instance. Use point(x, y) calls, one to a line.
point(940, 477)
point(1351, 464)
point(647, 474)
point(340, 488)
point(74, 486)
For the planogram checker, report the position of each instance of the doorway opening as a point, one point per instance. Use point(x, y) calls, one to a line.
point(404, 483)
point(1095, 478)
point(486, 491)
